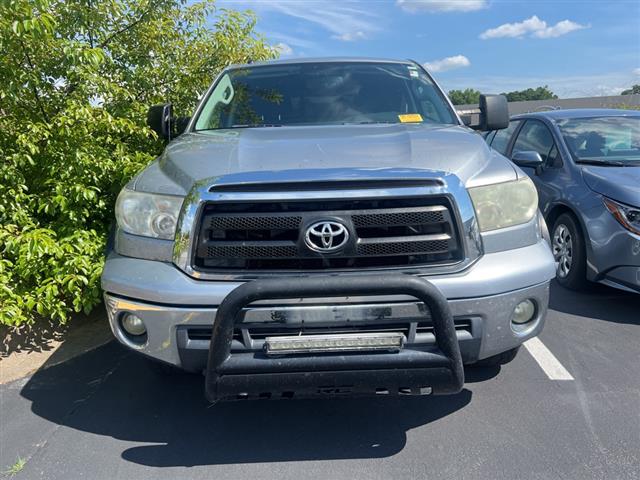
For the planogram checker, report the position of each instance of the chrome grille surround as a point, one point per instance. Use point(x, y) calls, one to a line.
point(420, 184)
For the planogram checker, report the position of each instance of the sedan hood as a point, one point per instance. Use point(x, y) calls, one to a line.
point(323, 152)
point(618, 183)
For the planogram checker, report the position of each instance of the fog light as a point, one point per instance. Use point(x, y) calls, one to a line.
point(133, 325)
point(524, 312)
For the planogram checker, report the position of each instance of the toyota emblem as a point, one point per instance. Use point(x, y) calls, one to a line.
point(326, 236)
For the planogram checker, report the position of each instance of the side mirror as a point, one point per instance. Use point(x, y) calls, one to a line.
point(528, 159)
point(494, 112)
point(159, 119)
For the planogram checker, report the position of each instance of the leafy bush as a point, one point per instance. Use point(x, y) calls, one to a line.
point(77, 79)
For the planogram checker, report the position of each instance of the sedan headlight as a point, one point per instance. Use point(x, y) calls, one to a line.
point(148, 214)
point(628, 217)
point(504, 204)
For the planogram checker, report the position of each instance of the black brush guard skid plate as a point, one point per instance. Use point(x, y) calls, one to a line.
point(230, 376)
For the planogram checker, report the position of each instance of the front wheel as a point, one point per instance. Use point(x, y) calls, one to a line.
point(567, 244)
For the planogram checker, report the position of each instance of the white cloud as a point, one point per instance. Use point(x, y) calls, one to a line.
point(534, 26)
point(570, 86)
point(559, 29)
point(284, 49)
point(291, 40)
point(434, 6)
point(636, 71)
point(350, 37)
point(343, 20)
point(449, 63)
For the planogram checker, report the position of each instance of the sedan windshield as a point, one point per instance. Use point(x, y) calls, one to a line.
point(324, 94)
point(605, 140)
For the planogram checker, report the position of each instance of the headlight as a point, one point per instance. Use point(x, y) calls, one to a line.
point(504, 204)
point(629, 217)
point(148, 214)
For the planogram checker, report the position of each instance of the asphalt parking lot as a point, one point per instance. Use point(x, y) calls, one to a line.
point(107, 415)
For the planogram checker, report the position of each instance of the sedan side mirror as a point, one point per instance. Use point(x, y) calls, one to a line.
point(528, 159)
point(159, 119)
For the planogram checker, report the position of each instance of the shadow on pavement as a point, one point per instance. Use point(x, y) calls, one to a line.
point(599, 302)
point(113, 392)
point(83, 331)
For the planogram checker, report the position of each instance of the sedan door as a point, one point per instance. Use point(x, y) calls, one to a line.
point(535, 136)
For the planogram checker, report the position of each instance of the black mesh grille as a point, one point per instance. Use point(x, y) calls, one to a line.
point(252, 251)
point(400, 248)
point(254, 223)
point(400, 218)
point(383, 233)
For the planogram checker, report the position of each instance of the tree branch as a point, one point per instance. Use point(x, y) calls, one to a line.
point(33, 87)
point(126, 28)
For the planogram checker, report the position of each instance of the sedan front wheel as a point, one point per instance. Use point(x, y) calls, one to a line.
point(567, 244)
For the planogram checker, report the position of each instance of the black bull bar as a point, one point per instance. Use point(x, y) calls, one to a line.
point(254, 374)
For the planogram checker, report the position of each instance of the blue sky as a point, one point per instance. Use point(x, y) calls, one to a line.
point(578, 48)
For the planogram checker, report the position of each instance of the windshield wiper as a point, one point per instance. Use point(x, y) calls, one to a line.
point(370, 122)
point(615, 163)
point(248, 125)
point(256, 125)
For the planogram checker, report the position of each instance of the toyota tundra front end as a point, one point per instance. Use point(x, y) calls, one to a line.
point(328, 227)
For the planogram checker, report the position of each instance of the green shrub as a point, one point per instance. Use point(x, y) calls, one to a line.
point(77, 79)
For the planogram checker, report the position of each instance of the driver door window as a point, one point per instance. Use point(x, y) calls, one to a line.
point(535, 136)
point(500, 140)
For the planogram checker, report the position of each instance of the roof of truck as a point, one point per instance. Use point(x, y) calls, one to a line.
point(293, 61)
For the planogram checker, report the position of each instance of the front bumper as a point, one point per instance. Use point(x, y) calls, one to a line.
point(484, 296)
point(613, 252)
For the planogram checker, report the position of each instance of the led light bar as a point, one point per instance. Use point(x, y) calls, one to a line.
point(353, 342)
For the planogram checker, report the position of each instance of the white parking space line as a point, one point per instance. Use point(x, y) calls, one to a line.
point(547, 361)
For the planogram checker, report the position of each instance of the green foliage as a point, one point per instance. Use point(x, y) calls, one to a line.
point(464, 97)
point(634, 90)
point(623, 106)
point(471, 96)
point(540, 93)
point(77, 78)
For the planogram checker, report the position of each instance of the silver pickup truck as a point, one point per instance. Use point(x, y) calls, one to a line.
point(328, 227)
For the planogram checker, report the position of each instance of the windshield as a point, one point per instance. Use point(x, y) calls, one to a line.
point(324, 94)
point(606, 140)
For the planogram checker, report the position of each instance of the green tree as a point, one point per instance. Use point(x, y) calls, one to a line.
point(77, 78)
point(540, 93)
point(634, 90)
point(464, 97)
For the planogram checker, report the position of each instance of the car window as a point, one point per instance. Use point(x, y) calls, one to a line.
point(535, 136)
point(500, 140)
point(600, 138)
point(324, 93)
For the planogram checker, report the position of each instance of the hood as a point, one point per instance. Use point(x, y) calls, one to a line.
point(325, 152)
point(618, 183)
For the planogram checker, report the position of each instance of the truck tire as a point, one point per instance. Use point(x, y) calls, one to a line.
point(497, 360)
point(568, 247)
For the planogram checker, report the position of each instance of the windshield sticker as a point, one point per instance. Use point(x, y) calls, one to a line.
point(410, 117)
